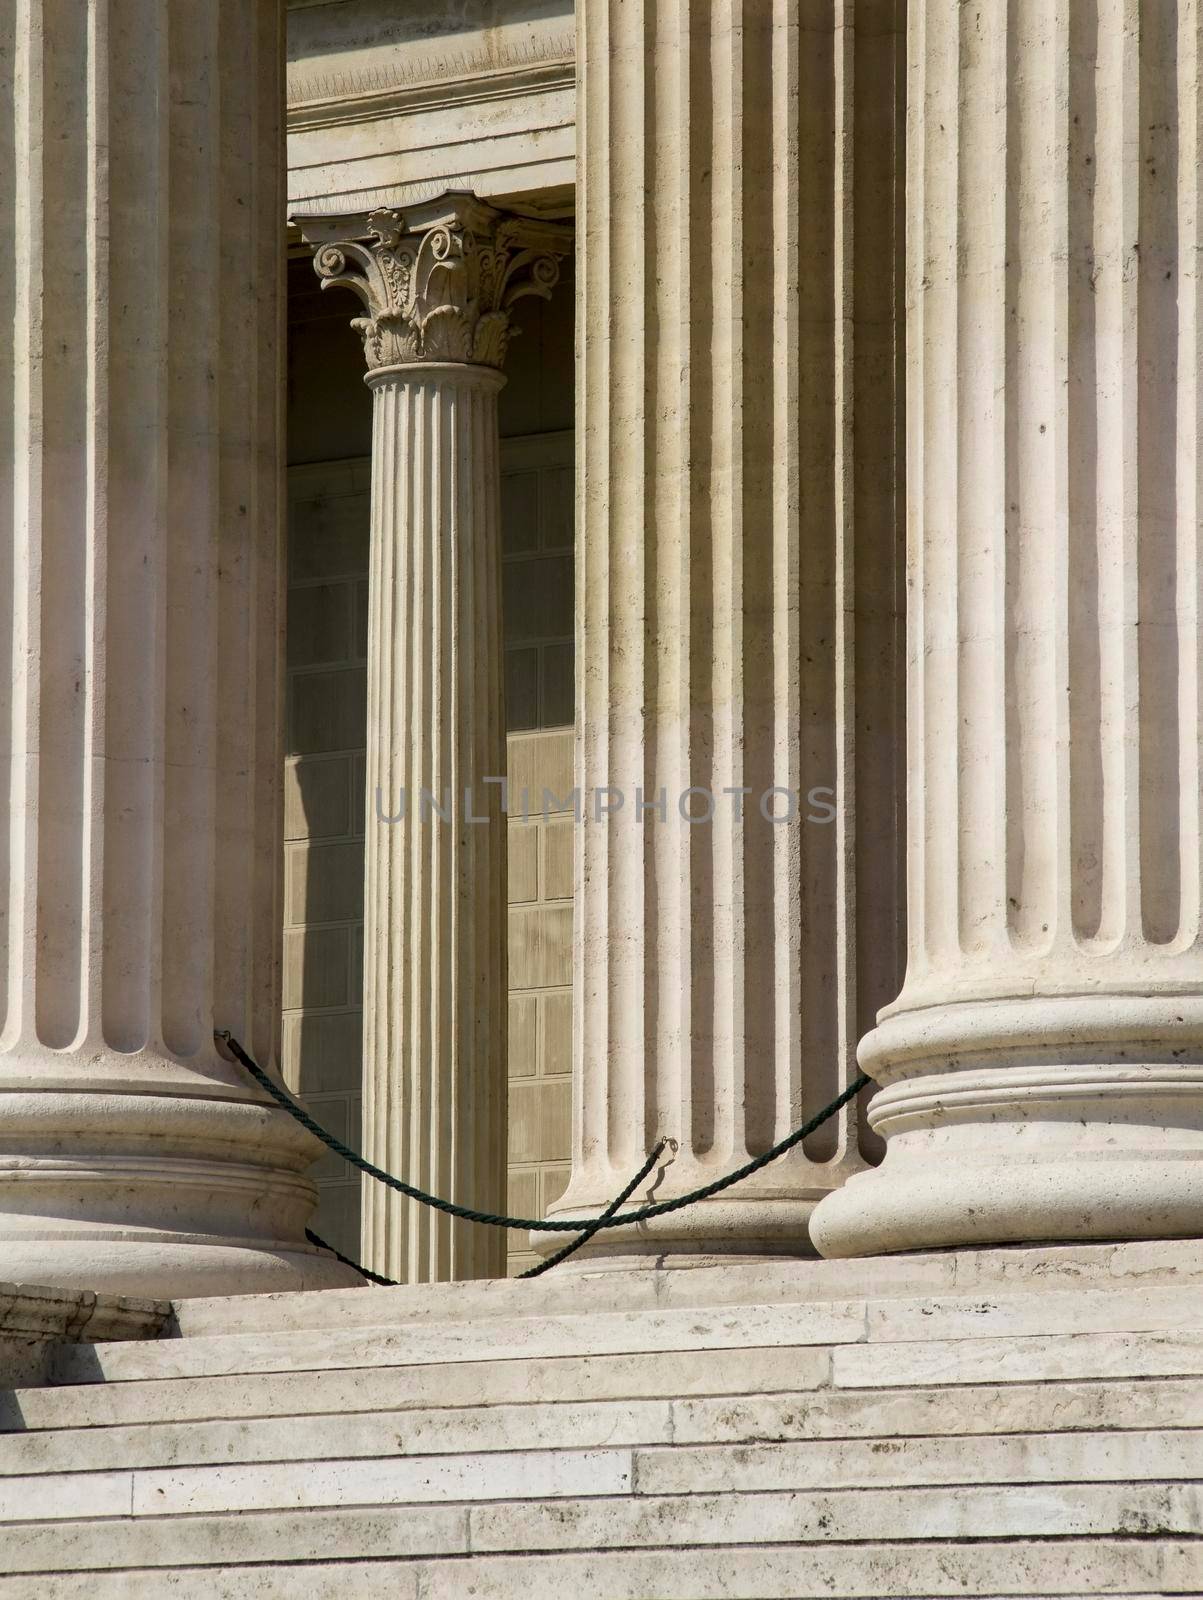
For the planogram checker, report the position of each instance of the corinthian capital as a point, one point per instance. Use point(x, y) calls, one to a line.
point(437, 280)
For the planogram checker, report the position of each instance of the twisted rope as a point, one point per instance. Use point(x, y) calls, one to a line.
point(608, 1218)
point(599, 1222)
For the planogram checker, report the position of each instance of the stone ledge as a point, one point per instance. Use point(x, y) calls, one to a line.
point(682, 1281)
point(33, 1318)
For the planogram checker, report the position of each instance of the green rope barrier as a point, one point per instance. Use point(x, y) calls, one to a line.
point(608, 1218)
point(364, 1272)
point(599, 1222)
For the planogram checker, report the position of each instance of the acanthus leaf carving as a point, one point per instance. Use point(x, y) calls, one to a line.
point(438, 280)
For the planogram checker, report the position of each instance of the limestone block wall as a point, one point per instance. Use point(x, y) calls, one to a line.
point(540, 954)
point(324, 816)
point(537, 599)
point(325, 812)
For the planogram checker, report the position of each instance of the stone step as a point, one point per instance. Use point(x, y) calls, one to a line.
point(1069, 1569)
point(643, 1522)
point(985, 1409)
point(1035, 1313)
point(1019, 1458)
point(472, 1430)
point(387, 1481)
point(713, 1469)
point(457, 1384)
point(1029, 1359)
point(613, 1333)
point(597, 1287)
point(897, 1321)
point(790, 1281)
point(735, 1433)
point(375, 1430)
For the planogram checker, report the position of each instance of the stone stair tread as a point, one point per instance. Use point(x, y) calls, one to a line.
point(1050, 1311)
point(644, 1522)
point(1069, 1569)
point(649, 1375)
point(596, 1287)
point(638, 1471)
point(1162, 1454)
point(732, 1327)
point(417, 1480)
point(791, 1280)
point(478, 1429)
point(583, 1422)
point(898, 1322)
point(1025, 1359)
point(840, 1516)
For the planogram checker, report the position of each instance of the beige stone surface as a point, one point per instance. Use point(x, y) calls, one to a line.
point(1041, 1069)
point(545, 1474)
point(1012, 1277)
point(1028, 1359)
point(342, 1436)
point(271, 1537)
point(140, 252)
point(389, 104)
point(434, 931)
point(933, 1407)
point(859, 1463)
point(506, 1420)
point(461, 1384)
point(707, 1521)
point(1073, 1570)
point(703, 1447)
point(700, 1520)
point(737, 598)
point(33, 1320)
point(616, 1333)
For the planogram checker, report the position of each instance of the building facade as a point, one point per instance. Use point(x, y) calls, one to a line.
point(588, 586)
point(603, 770)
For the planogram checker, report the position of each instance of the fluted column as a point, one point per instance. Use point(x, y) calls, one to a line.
point(437, 282)
point(141, 218)
point(736, 602)
point(1042, 1070)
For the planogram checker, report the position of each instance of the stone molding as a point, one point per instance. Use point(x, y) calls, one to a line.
point(33, 1320)
point(30, 1311)
point(432, 83)
point(438, 280)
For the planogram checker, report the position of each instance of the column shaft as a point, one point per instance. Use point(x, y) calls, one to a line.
point(434, 939)
point(737, 599)
point(1042, 1070)
point(140, 269)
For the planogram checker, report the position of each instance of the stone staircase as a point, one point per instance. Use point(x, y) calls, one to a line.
point(1022, 1422)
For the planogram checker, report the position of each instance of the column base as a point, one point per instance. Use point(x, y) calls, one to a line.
point(1099, 1197)
point(166, 1195)
point(170, 1267)
point(749, 1222)
point(1042, 1121)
